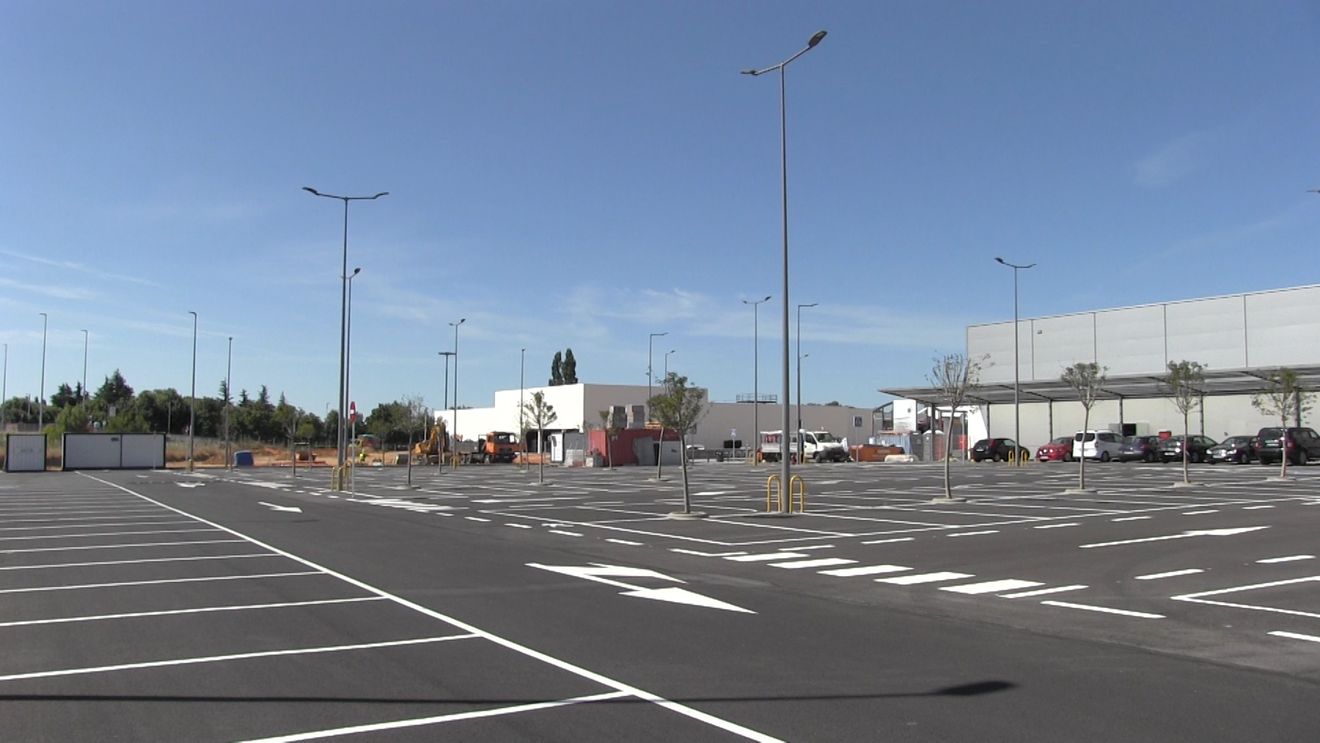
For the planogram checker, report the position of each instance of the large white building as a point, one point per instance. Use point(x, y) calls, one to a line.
point(577, 408)
point(1240, 339)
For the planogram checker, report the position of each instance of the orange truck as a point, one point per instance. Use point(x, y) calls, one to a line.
point(496, 446)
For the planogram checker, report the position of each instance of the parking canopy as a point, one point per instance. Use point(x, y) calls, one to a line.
point(1217, 382)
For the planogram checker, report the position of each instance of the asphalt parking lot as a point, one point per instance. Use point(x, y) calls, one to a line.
point(259, 605)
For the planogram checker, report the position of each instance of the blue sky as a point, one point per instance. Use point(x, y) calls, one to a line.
point(582, 174)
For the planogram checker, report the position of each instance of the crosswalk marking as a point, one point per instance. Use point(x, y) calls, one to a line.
point(908, 580)
point(865, 570)
point(994, 586)
point(818, 563)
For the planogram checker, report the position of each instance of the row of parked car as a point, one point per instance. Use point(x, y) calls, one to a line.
point(1268, 446)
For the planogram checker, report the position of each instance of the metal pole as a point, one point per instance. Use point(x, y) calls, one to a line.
point(83, 399)
point(756, 376)
point(801, 442)
point(522, 386)
point(229, 368)
point(41, 402)
point(1017, 441)
point(448, 432)
point(784, 471)
point(4, 389)
point(650, 353)
point(667, 362)
point(347, 375)
point(341, 440)
point(455, 325)
point(192, 396)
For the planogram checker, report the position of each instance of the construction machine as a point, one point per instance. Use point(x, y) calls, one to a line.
point(430, 449)
point(496, 446)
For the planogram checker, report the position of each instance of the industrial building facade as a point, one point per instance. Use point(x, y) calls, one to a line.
point(1240, 339)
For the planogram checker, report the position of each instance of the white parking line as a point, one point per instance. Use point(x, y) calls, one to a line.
point(887, 541)
point(1295, 636)
point(95, 526)
point(102, 534)
point(235, 656)
point(38, 589)
point(1042, 591)
point(121, 546)
point(625, 541)
point(820, 563)
point(417, 722)
point(1104, 609)
point(135, 562)
point(994, 586)
point(199, 610)
point(1131, 518)
point(1169, 574)
point(908, 580)
point(1200, 513)
point(865, 570)
point(973, 533)
point(1290, 558)
point(519, 526)
point(1057, 526)
point(1255, 508)
point(565, 533)
point(768, 557)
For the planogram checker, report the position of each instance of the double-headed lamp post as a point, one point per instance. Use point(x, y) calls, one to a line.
point(342, 443)
point(801, 443)
point(1017, 441)
point(756, 374)
point(783, 159)
point(650, 353)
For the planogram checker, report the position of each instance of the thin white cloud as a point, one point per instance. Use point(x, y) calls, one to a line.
point(71, 293)
point(1173, 160)
point(79, 267)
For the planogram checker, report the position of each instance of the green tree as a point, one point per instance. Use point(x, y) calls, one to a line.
point(1283, 394)
point(956, 377)
point(540, 414)
point(569, 368)
point(65, 396)
point(557, 370)
point(114, 392)
point(1086, 378)
point(72, 419)
point(680, 408)
point(1184, 380)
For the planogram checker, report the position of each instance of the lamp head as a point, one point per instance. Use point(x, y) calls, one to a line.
point(816, 38)
point(311, 190)
point(356, 271)
point(382, 193)
point(1000, 260)
point(753, 73)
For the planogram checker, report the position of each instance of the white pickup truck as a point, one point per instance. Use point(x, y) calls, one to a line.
point(818, 446)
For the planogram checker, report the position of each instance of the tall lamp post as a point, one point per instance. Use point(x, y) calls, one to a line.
point(192, 396)
point(41, 402)
point(783, 158)
point(229, 368)
point(455, 325)
point(342, 442)
point(445, 444)
point(756, 375)
point(522, 386)
point(4, 389)
point(801, 442)
point(650, 352)
point(83, 401)
point(348, 353)
point(674, 350)
point(1017, 441)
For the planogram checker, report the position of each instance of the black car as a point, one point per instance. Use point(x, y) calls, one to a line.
point(1236, 449)
point(1140, 449)
point(1198, 448)
point(998, 450)
point(1302, 445)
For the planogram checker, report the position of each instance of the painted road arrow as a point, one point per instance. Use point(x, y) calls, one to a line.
point(290, 509)
point(1194, 533)
point(605, 573)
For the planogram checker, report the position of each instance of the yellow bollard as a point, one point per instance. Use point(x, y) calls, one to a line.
point(773, 493)
point(800, 492)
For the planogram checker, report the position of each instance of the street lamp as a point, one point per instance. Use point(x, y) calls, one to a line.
point(343, 330)
point(83, 401)
point(783, 158)
point(650, 345)
point(455, 325)
point(446, 355)
point(756, 375)
point(192, 397)
point(348, 351)
point(41, 402)
point(229, 368)
point(1017, 441)
point(801, 443)
point(667, 361)
point(4, 389)
point(522, 386)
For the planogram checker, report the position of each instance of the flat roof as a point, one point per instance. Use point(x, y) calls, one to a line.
point(1217, 382)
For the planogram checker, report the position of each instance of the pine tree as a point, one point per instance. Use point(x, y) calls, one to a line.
point(557, 370)
point(570, 368)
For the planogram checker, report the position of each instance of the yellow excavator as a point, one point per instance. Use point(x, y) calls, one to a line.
point(430, 449)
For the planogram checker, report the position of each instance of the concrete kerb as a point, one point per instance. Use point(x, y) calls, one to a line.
point(687, 515)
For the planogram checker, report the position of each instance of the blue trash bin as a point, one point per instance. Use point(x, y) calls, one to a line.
point(243, 458)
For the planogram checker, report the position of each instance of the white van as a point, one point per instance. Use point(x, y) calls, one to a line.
point(1102, 445)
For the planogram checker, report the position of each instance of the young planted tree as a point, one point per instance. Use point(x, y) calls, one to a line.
point(1086, 378)
point(607, 425)
point(1184, 380)
point(955, 376)
point(679, 407)
point(1283, 394)
point(540, 414)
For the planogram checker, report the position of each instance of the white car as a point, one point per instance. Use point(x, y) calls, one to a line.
point(1101, 445)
